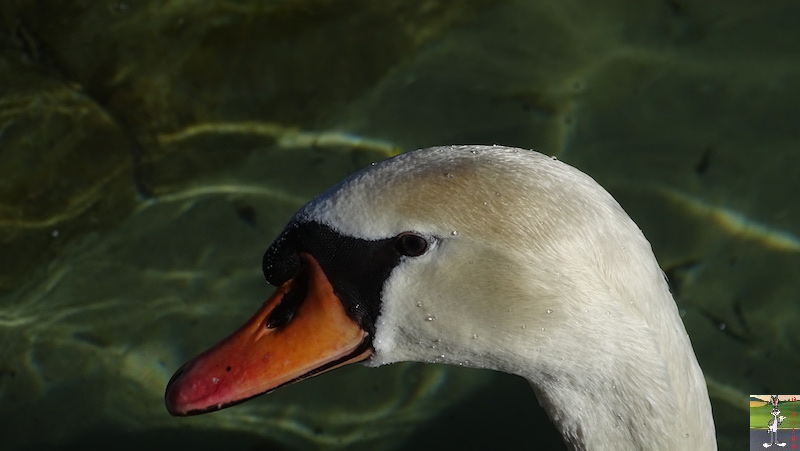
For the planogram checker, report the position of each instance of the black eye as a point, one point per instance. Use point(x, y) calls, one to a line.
point(410, 244)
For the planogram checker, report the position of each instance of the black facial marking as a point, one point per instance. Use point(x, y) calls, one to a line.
point(291, 301)
point(356, 268)
point(281, 262)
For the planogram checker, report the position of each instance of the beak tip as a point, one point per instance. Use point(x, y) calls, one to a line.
point(184, 392)
point(172, 398)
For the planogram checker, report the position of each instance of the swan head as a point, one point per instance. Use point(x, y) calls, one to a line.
point(518, 248)
point(481, 256)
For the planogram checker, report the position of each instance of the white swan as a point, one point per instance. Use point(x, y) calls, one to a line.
point(489, 257)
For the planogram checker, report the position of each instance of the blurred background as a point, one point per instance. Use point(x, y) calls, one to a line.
point(151, 150)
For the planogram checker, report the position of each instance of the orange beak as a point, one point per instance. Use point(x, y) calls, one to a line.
point(256, 359)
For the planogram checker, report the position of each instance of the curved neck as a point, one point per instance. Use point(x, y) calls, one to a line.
point(627, 387)
point(609, 377)
point(624, 412)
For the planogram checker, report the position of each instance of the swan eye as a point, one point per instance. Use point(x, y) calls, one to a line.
point(410, 244)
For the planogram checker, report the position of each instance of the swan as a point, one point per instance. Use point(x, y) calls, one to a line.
point(481, 256)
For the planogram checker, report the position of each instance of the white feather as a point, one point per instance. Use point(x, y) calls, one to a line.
point(534, 270)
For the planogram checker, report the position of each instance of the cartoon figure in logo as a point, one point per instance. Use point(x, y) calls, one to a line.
point(772, 426)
